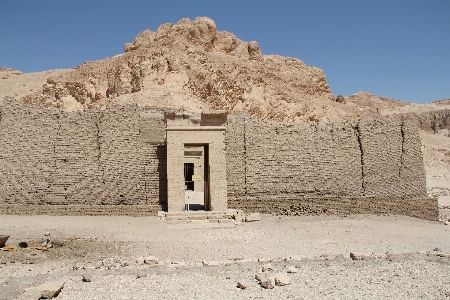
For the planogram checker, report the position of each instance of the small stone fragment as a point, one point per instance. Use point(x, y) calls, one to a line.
point(292, 269)
point(241, 285)
point(125, 263)
point(358, 256)
point(151, 260)
point(267, 267)
point(267, 284)
point(295, 257)
point(140, 261)
point(22, 245)
point(282, 279)
point(253, 217)
point(47, 234)
point(86, 278)
point(141, 274)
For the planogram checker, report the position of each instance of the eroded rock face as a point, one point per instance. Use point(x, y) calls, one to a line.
point(192, 65)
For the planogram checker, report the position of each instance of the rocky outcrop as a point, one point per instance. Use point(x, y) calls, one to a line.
point(192, 65)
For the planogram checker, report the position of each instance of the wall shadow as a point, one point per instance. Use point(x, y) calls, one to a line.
point(161, 154)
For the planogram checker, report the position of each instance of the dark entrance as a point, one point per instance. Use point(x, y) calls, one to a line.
point(188, 172)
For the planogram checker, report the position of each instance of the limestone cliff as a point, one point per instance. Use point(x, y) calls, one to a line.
point(194, 66)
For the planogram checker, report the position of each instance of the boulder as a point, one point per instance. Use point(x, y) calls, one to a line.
point(203, 29)
point(340, 99)
point(254, 51)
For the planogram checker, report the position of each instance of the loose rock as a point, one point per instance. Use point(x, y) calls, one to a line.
point(46, 291)
point(151, 260)
point(141, 274)
point(292, 269)
point(282, 279)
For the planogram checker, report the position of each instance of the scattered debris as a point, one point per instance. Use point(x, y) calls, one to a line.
point(86, 278)
point(363, 256)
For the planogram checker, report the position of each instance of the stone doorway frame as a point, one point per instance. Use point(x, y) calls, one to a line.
point(182, 129)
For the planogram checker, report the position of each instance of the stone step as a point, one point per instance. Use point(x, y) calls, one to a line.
point(203, 221)
point(195, 213)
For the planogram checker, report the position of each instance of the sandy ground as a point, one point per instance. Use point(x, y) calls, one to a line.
point(413, 261)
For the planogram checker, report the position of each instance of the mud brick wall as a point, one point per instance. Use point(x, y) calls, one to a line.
point(117, 157)
point(27, 154)
point(392, 158)
point(374, 166)
point(236, 157)
point(90, 158)
point(302, 159)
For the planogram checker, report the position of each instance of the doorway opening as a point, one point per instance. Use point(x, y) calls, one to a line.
point(196, 177)
point(188, 172)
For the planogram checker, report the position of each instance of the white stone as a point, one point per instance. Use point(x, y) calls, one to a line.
point(292, 269)
point(282, 279)
point(46, 290)
point(151, 260)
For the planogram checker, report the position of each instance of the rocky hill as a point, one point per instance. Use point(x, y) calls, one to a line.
point(194, 66)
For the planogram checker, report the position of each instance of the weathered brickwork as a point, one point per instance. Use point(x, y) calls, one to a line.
point(236, 157)
point(374, 166)
point(94, 158)
point(114, 161)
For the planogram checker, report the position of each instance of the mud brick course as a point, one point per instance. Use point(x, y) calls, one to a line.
point(114, 162)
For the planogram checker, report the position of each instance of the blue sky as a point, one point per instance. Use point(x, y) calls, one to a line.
point(399, 48)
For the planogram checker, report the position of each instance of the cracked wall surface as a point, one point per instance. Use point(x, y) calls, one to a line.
point(374, 166)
